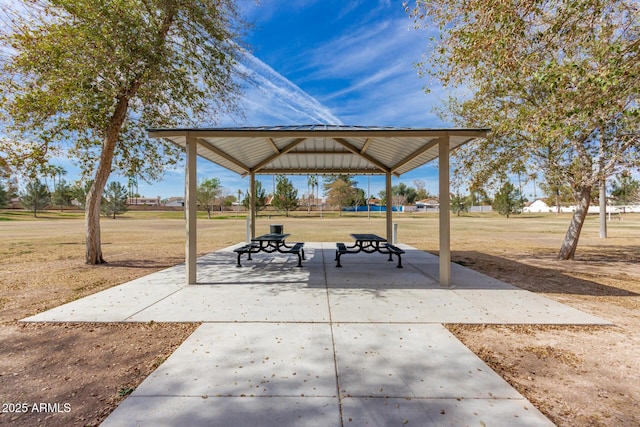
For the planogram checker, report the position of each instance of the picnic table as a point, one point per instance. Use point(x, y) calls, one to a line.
point(269, 243)
point(369, 243)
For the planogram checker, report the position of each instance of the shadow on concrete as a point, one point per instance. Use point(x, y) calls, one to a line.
point(374, 273)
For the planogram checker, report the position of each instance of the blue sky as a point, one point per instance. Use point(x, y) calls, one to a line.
point(326, 61)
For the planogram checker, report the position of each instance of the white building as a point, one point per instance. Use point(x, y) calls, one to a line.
point(538, 206)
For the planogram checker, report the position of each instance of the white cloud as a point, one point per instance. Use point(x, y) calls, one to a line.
point(271, 99)
point(366, 74)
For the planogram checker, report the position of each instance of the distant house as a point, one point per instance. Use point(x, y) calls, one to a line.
point(537, 206)
point(540, 206)
point(175, 201)
point(14, 203)
point(428, 205)
point(144, 201)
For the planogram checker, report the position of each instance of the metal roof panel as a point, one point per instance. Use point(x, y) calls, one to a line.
point(319, 148)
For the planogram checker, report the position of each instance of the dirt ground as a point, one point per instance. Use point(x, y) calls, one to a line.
point(76, 374)
point(576, 375)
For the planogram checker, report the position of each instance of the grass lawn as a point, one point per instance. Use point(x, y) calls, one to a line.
point(575, 375)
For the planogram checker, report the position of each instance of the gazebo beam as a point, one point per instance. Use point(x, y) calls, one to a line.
point(273, 145)
point(354, 150)
point(317, 133)
point(418, 152)
point(222, 154)
point(365, 146)
point(274, 156)
point(324, 171)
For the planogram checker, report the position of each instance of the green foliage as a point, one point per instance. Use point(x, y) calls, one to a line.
point(478, 197)
point(261, 198)
point(407, 194)
point(312, 184)
point(87, 78)
point(626, 189)
point(62, 195)
point(340, 193)
point(208, 192)
point(329, 180)
point(286, 195)
point(404, 194)
point(558, 194)
point(460, 203)
point(114, 200)
point(125, 391)
point(421, 190)
point(557, 83)
point(507, 200)
point(4, 197)
point(360, 198)
point(79, 192)
point(551, 80)
point(74, 62)
point(36, 196)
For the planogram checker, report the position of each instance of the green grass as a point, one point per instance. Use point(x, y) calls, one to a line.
point(24, 215)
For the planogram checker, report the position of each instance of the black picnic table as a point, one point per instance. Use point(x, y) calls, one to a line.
point(269, 243)
point(368, 243)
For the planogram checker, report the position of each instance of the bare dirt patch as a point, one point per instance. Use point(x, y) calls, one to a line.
point(575, 375)
point(76, 374)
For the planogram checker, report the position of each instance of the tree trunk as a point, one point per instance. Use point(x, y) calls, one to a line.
point(570, 243)
point(94, 196)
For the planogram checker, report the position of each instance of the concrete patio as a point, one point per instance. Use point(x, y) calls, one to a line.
point(320, 345)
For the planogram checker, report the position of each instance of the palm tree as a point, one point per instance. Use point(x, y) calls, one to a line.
point(312, 182)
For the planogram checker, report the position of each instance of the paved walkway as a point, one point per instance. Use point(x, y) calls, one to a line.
point(321, 346)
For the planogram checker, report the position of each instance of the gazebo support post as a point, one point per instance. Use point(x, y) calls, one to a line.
point(191, 209)
point(445, 213)
point(389, 208)
point(252, 203)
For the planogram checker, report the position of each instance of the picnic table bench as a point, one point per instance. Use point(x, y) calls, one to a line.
point(369, 243)
point(270, 243)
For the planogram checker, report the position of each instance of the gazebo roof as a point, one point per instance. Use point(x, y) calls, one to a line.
point(319, 149)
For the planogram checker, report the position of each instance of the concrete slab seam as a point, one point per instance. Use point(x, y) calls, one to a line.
point(333, 341)
point(126, 319)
